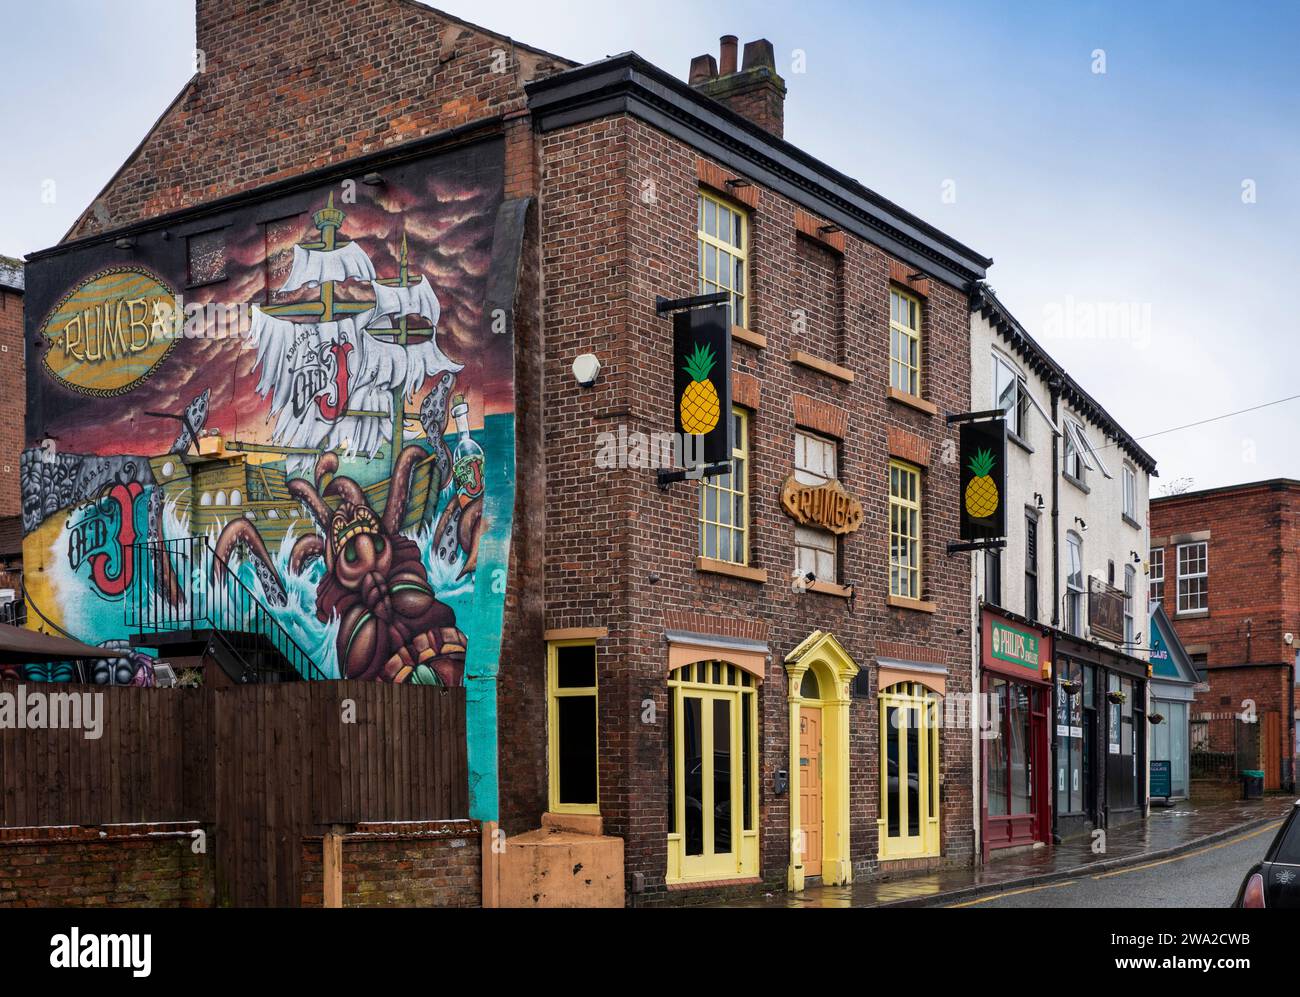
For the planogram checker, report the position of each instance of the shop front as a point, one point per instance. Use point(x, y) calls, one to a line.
point(1015, 663)
point(1173, 689)
point(1099, 736)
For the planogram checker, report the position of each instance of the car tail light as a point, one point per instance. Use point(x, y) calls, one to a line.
point(1254, 895)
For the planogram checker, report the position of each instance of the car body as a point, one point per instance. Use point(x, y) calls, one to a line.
point(1275, 880)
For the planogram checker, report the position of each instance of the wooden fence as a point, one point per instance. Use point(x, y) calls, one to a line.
point(262, 765)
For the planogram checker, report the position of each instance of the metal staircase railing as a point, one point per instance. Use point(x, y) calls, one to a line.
point(174, 589)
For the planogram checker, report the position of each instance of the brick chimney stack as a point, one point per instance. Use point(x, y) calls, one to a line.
point(755, 91)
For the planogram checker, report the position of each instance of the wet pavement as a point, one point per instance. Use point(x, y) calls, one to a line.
point(1180, 826)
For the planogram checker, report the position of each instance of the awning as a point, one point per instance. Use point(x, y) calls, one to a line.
point(20, 646)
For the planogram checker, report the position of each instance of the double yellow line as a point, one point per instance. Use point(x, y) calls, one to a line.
point(1125, 871)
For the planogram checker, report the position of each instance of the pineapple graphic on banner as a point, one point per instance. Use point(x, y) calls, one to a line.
point(702, 383)
point(983, 480)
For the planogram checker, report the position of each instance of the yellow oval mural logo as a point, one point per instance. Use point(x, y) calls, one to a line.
point(110, 332)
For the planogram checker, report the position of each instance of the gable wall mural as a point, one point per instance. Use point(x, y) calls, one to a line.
point(313, 392)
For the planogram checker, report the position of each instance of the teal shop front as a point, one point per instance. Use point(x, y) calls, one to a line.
point(1173, 689)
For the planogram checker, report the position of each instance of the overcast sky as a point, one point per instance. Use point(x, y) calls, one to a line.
point(1143, 220)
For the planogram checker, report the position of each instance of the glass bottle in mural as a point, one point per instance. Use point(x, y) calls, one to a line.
point(467, 461)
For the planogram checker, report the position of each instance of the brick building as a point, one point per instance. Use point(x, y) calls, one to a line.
point(1225, 564)
point(698, 687)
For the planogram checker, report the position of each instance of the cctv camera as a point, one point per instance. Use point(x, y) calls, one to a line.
point(809, 577)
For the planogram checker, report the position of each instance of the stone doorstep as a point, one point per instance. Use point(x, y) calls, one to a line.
point(1090, 868)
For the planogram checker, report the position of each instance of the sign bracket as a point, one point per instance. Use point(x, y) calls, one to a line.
point(953, 418)
point(666, 476)
point(973, 545)
point(665, 305)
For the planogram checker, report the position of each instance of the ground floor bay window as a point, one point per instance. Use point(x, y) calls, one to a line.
point(712, 772)
point(909, 772)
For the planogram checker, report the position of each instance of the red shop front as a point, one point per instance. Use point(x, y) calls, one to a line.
point(1015, 678)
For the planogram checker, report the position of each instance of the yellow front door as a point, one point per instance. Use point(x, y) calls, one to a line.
point(810, 787)
point(909, 776)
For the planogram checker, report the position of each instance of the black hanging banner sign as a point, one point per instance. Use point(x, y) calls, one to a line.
point(984, 480)
point(702, 383)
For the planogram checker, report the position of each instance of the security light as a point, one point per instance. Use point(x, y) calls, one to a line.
point(586, 368)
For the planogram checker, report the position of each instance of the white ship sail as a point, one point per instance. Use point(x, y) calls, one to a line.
point(317, 406)
point(313, 267)
point(415, 299)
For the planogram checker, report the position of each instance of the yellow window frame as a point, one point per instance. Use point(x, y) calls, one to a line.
point(905, 331)
point(553, 696)
point(727, 487)
point(910, 696)
point(713, 681)
point(905, 505)
point(711, 245)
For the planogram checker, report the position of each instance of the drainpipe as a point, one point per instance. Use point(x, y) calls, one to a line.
point(1054, 386)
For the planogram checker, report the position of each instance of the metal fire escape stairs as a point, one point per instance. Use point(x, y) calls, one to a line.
point(186, 601)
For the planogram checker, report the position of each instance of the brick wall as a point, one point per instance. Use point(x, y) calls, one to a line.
point(618, 225)
point(122, 865)
point(423, 864)
point(13, 392)
point(290, 87)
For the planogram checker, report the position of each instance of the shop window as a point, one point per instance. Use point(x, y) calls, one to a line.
point(1031, 567)
point(909, 772)
point(1010, 754)
point(1074, 585)
point(712, 772)
point(572, 714)
point(904, 342)
point(1075, 724)
point(724, 502)
point(1156, 576)
point(904, 530)
point(1193, 577)
point(722, 235)
point(1011, 395)
point(207, 257)
point(815, 463)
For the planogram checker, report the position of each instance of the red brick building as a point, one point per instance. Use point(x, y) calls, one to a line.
point(733, 692)
point(1225, 563)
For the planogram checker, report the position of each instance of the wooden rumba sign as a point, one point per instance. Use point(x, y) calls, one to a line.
point(827, 505)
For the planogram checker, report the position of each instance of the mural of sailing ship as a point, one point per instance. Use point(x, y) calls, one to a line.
point(350, 479)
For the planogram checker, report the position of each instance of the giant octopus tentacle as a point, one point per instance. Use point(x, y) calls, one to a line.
point(305, 550)
point(348, 490)
point(241, 532)
point(308, 496)
point(399, 488)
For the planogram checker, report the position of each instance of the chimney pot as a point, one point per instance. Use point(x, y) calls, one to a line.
point(758, 55)
point(727, 63)
point(703, 69)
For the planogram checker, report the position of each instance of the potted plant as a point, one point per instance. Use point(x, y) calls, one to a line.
point(1156, 718)
point(1117, 697)
point(1070, 687)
